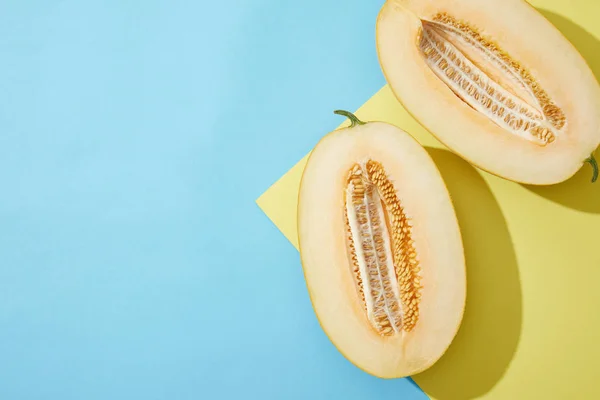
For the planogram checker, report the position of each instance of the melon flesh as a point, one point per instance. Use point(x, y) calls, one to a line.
point(416, 336)
point(495, 82)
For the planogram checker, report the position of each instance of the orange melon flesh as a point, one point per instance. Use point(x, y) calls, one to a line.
point(534, 44)
point(327, 264)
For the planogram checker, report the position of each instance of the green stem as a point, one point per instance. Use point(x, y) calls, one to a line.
point(594, 165)
point(353, 120)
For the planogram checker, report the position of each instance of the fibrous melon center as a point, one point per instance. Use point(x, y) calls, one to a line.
point(382, 253)
point(489, 80)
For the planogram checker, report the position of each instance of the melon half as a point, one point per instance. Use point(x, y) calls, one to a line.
point(381, 249)
point(495, 82)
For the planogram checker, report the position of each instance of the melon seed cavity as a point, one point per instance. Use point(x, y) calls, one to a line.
point(487, 79)
point(383, 258)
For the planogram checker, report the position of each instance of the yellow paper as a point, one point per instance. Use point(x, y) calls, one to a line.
point(532, 323)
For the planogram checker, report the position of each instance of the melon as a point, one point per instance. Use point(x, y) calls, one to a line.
point(495, 82)
point(381, 248)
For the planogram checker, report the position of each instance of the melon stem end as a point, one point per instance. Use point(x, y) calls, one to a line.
point(594, 165)
point(353, 119)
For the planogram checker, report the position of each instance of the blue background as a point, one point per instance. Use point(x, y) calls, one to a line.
point(135, 137)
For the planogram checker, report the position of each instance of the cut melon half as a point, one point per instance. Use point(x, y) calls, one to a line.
point(495, 82)
point(381, 249)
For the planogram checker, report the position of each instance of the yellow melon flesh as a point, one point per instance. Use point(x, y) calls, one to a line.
point(495, 82)
point(381, 249)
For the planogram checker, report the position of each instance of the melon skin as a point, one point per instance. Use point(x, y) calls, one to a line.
point(523, 33)
point(326, 263)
